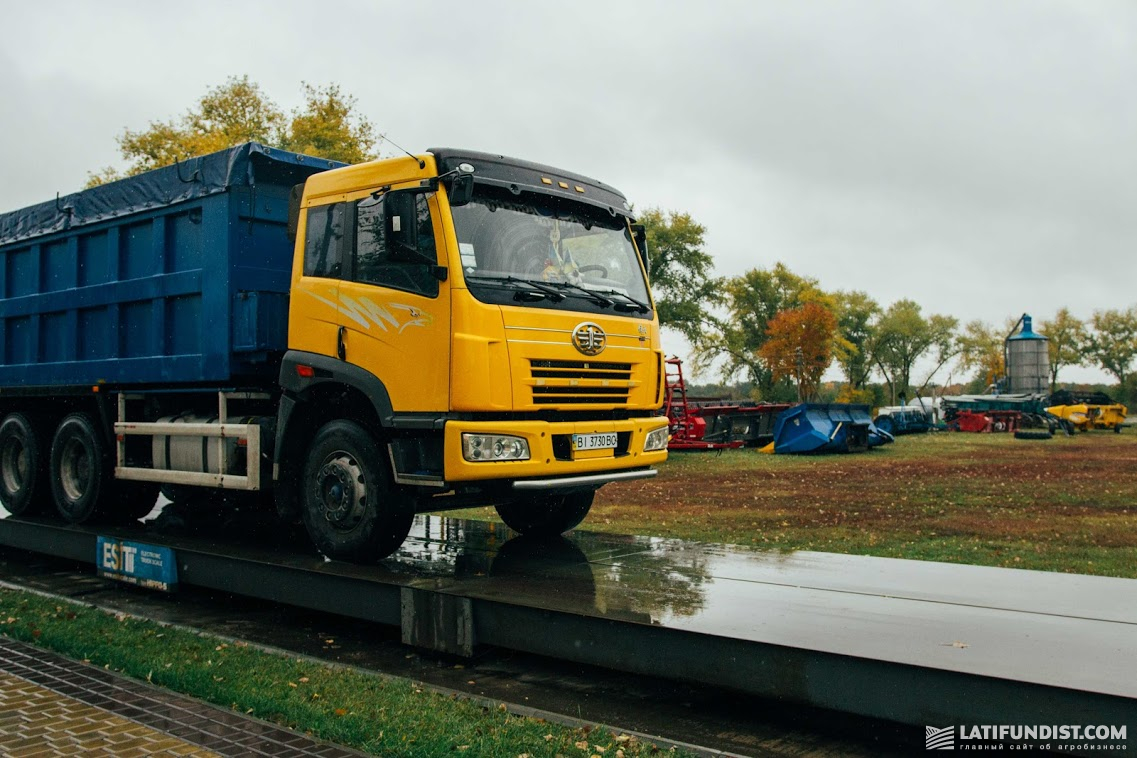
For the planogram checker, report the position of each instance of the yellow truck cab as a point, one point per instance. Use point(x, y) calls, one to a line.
point(464, 329)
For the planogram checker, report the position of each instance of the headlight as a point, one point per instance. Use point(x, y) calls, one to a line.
point(494, 447)
point(656, 440)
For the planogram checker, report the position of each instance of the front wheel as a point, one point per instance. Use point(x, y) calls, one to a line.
point(348, 505)
point(546, 515)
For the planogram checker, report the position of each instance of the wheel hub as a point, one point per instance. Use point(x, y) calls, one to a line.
point(14, 465)
point(75, 469)
point(341, 491)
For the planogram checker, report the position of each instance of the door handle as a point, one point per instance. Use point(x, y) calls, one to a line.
point(341, 348)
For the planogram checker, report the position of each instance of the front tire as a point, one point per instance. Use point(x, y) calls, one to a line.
point(21, 465)
point(348, 505)
point(79, 468)
point(546, 515)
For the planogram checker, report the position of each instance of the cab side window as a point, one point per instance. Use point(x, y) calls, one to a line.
point(373, 263)
point(324, 241)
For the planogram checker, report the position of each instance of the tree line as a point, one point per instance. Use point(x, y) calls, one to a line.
point(774, 330)
point(778, 332)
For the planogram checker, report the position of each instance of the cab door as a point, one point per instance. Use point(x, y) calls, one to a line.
point(314, 316)
point(394, 306)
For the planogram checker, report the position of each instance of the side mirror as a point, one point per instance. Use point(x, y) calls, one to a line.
point(460, 190)
point(639, 234)
point(401, 214)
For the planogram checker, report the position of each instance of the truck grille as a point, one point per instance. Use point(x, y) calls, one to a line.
point(580, 382)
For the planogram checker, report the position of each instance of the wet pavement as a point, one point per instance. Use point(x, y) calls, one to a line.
point(1060, 630)
point(1061, 634)
point(558, 691)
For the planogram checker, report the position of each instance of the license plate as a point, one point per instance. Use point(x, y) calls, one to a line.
point(593, 441)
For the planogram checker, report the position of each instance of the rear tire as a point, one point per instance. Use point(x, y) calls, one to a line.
point(80, 470)
point(22, 469)
point(546, 515)
point(1033, 434)
point(348, 505)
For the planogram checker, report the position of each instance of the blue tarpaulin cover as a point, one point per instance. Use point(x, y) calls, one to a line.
point(177, 275)
point(189, 180)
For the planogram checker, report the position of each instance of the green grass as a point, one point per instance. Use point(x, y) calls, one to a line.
point(1065, 504)
point(380, 715)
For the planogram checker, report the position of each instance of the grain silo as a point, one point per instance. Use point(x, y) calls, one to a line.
point(1028, 361)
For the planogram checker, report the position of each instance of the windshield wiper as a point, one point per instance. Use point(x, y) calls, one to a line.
point(540, 287)
point(576, 289)
point(631, 305)
point(553, 290)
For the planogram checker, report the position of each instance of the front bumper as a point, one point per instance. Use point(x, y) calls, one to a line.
point(550, 452)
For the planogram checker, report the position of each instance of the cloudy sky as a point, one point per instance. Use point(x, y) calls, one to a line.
point(977, 157)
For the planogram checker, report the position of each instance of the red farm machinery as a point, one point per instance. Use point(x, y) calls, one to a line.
point(714, 424)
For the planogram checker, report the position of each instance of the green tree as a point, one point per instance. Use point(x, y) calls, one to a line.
point(1066, 343)
point(329, 127)
point(752, 300)
point(856, 324)
point(1112, 341)
point(239, 111)
point(905, 335)
point(680, 270)
point(980, 349)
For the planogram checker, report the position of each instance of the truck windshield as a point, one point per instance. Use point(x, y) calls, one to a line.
point(548, 251)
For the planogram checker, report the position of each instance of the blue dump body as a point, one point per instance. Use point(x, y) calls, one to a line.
point(826, 428)
point(178, 275)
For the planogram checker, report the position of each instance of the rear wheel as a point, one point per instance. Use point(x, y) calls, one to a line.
point(21, 465)
point(348, 505)
point(546, 515)
point(80, 471)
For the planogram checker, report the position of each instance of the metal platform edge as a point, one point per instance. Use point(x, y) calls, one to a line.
point(449, 622)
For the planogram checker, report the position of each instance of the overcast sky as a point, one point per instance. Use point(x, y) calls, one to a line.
point(979, 158)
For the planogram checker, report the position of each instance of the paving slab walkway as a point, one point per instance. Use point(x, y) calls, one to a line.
point(51, 705)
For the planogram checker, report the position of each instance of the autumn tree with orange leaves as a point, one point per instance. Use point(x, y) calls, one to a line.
point(801, 343)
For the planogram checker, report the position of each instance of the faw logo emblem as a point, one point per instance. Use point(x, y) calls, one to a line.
point(940, 739)
point(588, 338)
